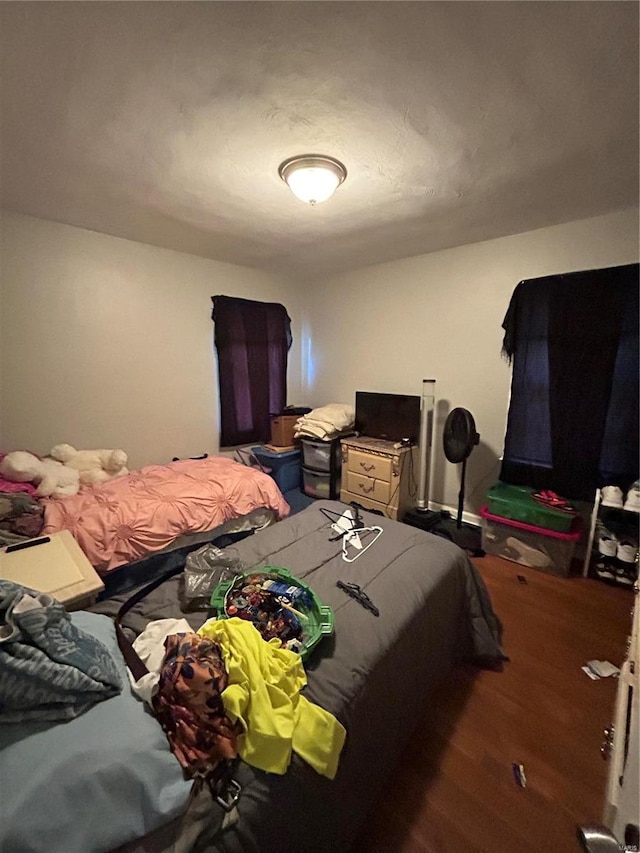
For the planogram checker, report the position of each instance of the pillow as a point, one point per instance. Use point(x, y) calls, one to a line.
point(93, 783)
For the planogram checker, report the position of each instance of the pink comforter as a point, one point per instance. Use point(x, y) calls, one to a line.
point(129, 517)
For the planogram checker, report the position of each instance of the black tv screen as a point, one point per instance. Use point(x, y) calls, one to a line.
point(389, 416)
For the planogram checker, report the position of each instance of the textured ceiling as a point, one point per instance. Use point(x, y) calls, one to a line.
point(165, 122)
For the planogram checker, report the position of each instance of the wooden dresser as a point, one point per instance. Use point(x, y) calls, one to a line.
point(380, 475)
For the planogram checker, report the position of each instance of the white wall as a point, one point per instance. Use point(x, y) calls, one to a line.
point(386, 327)
point(109, 343)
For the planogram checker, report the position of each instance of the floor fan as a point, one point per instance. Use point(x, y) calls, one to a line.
point(459, 437)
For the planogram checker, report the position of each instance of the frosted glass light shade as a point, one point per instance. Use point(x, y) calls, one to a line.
point(312, 178)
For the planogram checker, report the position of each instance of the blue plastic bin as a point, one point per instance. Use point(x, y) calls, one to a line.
point(285, 467)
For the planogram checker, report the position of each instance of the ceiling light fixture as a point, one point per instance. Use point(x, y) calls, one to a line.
point(312, 177)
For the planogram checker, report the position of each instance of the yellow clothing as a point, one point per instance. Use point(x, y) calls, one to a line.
point(263, 693)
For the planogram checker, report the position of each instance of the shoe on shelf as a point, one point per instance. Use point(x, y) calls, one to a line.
point(627, 551)
point(632, 502)
point(612, 496)
point(607, 544)
point(626, 574)
point(605, 570)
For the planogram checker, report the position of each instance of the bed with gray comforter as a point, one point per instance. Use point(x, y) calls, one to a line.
point(375, 674)
point(107, 779)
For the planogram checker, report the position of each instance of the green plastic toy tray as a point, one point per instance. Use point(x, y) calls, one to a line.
point(320, 620)
point(517, 503)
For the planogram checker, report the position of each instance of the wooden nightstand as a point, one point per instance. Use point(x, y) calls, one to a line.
point(55, 564)
point(379, 475)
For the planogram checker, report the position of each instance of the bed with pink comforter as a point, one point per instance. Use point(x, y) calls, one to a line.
point(128, 518)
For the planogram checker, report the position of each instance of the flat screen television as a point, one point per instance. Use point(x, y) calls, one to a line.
point(389, 416)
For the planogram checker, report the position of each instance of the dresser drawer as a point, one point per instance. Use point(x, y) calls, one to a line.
point(320, 455)
point(369, 465)
point(376, 490)
point(320, 484)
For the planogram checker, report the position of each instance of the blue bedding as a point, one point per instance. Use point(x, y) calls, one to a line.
point(90, 784)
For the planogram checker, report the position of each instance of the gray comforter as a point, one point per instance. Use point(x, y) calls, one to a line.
point(375, 674)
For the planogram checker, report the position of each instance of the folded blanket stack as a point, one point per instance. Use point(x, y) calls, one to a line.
point(326, 422)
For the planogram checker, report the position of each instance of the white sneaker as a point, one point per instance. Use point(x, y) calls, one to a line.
point(608, 544)
point(612, 496)
point(627, 551)
point(632, 503)
point(604, 571)
point(626, 575)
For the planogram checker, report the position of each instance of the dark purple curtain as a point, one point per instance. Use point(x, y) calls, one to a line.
point(573, 415)
point(252, 340)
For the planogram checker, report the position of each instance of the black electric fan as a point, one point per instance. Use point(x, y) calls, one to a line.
point(459, 438)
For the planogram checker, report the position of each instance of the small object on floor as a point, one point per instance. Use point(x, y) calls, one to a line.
point(356, 592)
point(590, 673)
point(518, 775)
point(521, 579)
point(603, 668)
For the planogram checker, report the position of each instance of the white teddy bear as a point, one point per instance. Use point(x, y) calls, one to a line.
point(51, 477)
point(93, 466)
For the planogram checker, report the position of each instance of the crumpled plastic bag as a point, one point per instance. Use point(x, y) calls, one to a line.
point(204, 570)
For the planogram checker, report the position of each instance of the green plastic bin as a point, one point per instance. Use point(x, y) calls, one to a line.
point(320, 619)
point(517, 504)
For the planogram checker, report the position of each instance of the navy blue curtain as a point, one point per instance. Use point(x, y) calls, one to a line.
point(252, 340)
point(572, 340)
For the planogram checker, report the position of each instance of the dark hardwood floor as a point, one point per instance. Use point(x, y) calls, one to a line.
point(454, 789)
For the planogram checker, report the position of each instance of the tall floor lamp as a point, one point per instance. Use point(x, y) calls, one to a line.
point(427, 407)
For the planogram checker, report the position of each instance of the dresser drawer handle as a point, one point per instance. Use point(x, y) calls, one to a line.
point(366, 490)
point(367, 467)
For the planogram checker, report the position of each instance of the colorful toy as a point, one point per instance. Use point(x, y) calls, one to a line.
point(279, 605)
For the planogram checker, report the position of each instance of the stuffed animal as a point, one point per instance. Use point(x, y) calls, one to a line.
point(52, 478)
point(93, 466)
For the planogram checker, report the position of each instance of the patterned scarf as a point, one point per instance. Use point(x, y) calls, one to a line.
point(189, 705)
